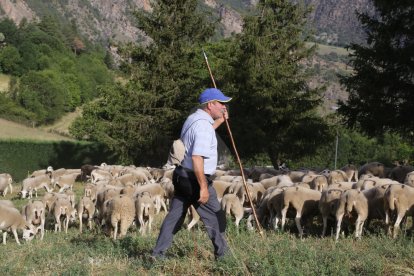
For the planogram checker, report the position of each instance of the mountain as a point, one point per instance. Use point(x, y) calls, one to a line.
point(103, 21)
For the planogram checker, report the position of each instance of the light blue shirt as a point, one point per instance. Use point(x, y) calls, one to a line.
point(199, 138)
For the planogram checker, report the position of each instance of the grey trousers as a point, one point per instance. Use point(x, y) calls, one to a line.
point(210, 213)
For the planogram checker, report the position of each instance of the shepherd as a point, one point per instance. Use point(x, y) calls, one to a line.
point(191, 179)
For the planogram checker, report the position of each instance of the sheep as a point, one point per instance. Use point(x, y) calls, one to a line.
point(352, 202)
point(194, 217)
point(304, 201)
point(295, 176)
point(86, 171)
point(144, 208)
point(399, 173)
point(48, 170)
point(35, 183)
point(34, 213)
point(100, 175)
point(63, 207)
point(221, 188)
point(103, 196)
point(276, 181)
point(409, 179)
point(5, 183)
point(90, 191)
point(375, 197)
point(231, 204)
point(65, 181)
point(119, 210)
point(157, 193)
point(374, 168)
point(351, 171)
point(86, 210)
point(319, 183)
point(343, 185)
point(168, 187)
point(337, 176)
point(398, 199)
point(127, 179)
point(328, 205)
point(375, 181)
point(156, 173)
point(7, 203)
point(11, 219)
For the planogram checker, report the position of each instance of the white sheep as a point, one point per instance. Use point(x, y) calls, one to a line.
point(231, 204)
point(11, 219)
point(86, 210)
point(304, 201)
point(351, 203)
point(63, 208)
point(65, 181)
point(5, 183)
point(398, 199)
point(409, 179)
point(145, 209)
point(328, 204)
point(337, 176)
point(34, 213)
point(119, 210)
point(34, 183)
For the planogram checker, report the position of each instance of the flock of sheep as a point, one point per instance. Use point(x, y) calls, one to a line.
point(115, 197)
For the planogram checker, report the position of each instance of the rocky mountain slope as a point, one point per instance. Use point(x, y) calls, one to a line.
point(108, 21)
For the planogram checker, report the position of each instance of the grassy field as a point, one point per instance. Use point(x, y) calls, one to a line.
point(4, 82)
point(62, 125)
point(11, 130)
point(326, 49)
point(93, 253)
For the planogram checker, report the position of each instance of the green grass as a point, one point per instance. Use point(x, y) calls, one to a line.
point(327, 49)
point(12, 130)
point(191, 254)
point(4, 82)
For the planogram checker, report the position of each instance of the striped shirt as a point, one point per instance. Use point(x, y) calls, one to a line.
point(199, 138)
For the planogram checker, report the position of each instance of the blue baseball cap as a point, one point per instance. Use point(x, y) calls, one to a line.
point(212, 94)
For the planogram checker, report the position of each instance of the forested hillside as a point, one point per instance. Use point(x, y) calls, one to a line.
point(53, 70)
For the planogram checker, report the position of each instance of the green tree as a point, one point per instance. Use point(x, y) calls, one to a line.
point(381, 87)
point(274, 108)
point(165, 78)
point(10, 60)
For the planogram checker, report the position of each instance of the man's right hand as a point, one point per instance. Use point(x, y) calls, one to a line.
point(204, 195)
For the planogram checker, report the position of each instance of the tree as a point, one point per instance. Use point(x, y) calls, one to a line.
point(381, 96)
point(274, 108)
point(142, 118)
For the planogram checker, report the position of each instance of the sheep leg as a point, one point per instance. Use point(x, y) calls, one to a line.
point(15, 236)
point(149, 224)
point(325, 225)
point(4, 237)
point(115, 227)
point(42, 230)
point(297, 220)
point(338, 225)
point(67, 222)
point(358, 227)
point(284, 211)
point(397, 225)
point(80, 221)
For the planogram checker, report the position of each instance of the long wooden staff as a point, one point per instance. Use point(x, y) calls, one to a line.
point(259, 227)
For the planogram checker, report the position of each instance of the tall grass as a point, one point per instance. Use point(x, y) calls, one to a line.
point(191, 253)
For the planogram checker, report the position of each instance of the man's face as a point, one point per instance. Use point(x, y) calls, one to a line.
point(217, 109)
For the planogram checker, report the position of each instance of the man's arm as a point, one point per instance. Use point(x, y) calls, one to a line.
point(198, 167)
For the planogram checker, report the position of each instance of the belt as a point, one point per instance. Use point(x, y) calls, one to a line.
point(187, 173)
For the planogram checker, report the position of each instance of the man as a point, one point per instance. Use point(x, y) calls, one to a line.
point(192, 185)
